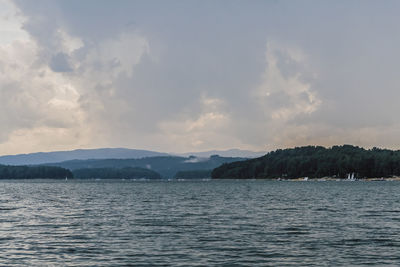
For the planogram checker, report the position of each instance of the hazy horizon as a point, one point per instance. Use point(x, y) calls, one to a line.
point(188, 153)
point(130, 148)
point(181, 76)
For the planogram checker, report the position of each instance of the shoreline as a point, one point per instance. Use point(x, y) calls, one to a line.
point(375, 179)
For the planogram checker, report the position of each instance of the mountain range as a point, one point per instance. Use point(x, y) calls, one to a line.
point(113, 153)
point(78, 154)
point(165, 166)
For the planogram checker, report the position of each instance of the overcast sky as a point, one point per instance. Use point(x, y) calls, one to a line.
point(179, 76)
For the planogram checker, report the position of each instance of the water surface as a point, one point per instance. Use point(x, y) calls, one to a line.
point(199, 223)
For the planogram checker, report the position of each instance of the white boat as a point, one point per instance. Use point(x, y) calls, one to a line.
point(350, 177)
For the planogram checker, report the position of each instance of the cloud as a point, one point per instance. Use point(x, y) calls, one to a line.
point(60, 63)
point(185, 76)
point(32, 94)
point(34, 97)
point(285, 92)
point(10, 29)
point(269, 112)
point(210, 124)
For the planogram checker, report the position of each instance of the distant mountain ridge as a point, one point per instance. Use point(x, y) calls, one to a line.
point(166, 166)
point(78, 154)
point(113, 153)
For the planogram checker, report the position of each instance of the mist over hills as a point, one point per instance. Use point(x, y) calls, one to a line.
point(166, 166)
point(113, 153)
point(114, 160)
point(227, 153)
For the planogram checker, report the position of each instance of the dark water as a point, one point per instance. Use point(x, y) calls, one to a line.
point(203, 223)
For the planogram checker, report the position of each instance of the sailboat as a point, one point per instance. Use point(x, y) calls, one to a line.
point(351, 177)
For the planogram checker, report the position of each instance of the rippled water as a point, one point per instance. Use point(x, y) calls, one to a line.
point(199, 223)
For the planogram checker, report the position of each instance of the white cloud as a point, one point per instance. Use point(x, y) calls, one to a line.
point(210, 126)
point(47, 107)
point(10, 24)
point(44, 108)
point(285, 97)
point(34, 99)
point(285, 92)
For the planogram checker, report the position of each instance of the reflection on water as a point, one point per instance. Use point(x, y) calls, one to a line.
point(199, 223)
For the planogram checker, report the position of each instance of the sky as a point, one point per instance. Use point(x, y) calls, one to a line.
point(179, 76)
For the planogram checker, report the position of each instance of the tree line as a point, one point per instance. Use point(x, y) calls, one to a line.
point(34, 172)
point(316, 162)
point(166, 166)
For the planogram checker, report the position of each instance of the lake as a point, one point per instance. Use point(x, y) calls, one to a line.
point(199, 223)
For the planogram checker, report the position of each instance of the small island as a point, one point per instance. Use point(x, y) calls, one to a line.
point(312, 162)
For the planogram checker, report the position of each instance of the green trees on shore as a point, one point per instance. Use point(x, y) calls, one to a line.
point(166, 166)
point(315, 162)
point(33, 172)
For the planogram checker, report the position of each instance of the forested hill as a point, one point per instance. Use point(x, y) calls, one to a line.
point(167, 167)
point(82, 154)
point(316, 162)
point(34, 172)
